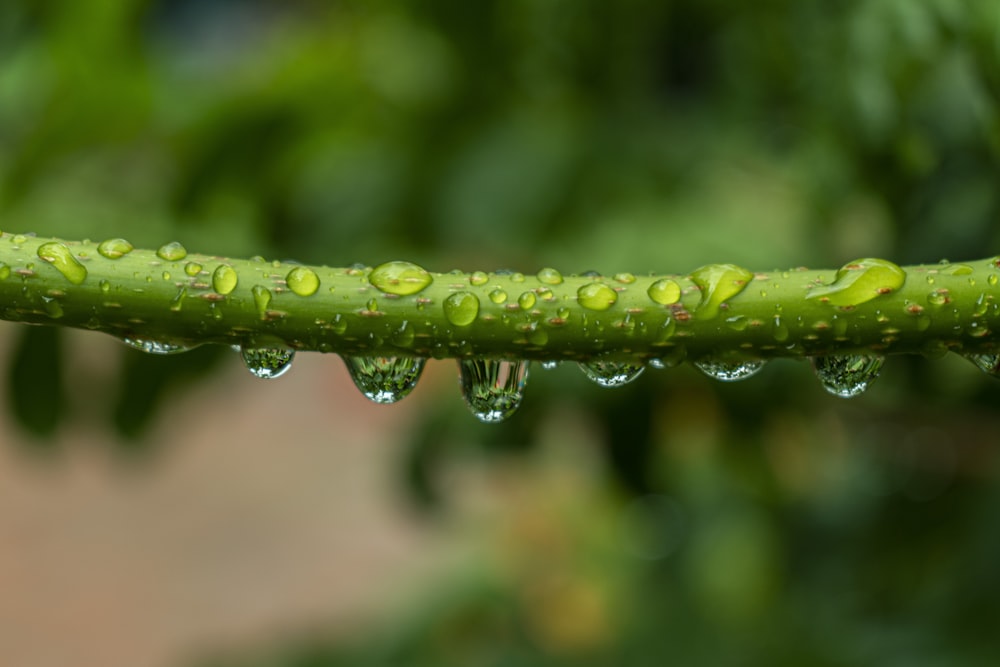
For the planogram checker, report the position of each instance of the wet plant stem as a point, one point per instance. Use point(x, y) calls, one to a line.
point(720, 311)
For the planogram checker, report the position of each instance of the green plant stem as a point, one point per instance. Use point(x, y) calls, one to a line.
point(770, 314)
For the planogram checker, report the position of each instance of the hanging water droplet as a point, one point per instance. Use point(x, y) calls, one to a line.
point(596, 296)
point(172, 252)
point(461, 308)
point(400, 278)
point(224, 279)
point(267, 362)
point(261, 299)
point(549, 276)
point(549, 365)
point(302, 280)
point(987, 363)
point(385, 379)
point(611, 373)
point(114, 248)
point(730, 371)
point(526, 301)
point(860, 281)
point(665, 292)
point(478, 278)
point(718, 283)
point(492, 388)
point(61, 257)
point(657, 364)
point(849, 374)
point(152, 346)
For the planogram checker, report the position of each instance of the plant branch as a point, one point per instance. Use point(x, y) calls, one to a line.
point(398, 309)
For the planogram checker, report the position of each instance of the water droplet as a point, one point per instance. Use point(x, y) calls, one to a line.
point(549, 276)
point(498, 296)
point(492, 388)
point(987, 363)
point(479, 278)
point(938, 297)
point(611, 373)
point(718, 283)
point(224, 279)
point(664, 292)
point(780, 329)
point(400, 278)
point(267, 362)
point(105, 286)
point(61, 257)
point(526, 301)
point(549, 365)
point(261, 299)
point(385, 379)
point(729, 371)
point(114, 248)
point(847, 375)
point(177, 303)
point(461, 308)
point(860, 281)
point(596, 296)
point(958, 270)
point(4, 271)
point(152, 346)
point(172, 252)
point(992, 279)
point(302, 281)
point(53, 308)
point(517, 277)
point(404, 336)
point(192, 268)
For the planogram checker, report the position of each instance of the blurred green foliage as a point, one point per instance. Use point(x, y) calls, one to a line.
point(785, 527)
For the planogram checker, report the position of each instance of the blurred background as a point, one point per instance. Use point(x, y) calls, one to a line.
point(178, 511)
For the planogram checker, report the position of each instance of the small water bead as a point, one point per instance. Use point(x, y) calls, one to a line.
point(302, 280)
point(114, 248)
point(729, 371)
point(498, 296)
point(626, 278)
point(526, 301)
point(261, 299)
point(718, 283)
point(192, 268)
point(404, 336)
point(549, 276)
point(596, 296)
point(400, 278)
point(177, 303)
point(847, 375)
point(267, 362)
point(385, 379)
point(172, 252)
point(105, 286)
point(478, 278)
point(224, 279)
point(665, 292)
point(153, 346)
point(860, 281)
point(4, 271)
point(61, 257)
point(611, 373)
point(461, 308)
point(492, 388)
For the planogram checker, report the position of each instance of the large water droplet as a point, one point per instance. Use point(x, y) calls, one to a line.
point(401, 278)
point(224, 279)
point(492, 388)
point(172, 252)
point(526, 301)
point(461, 308)
point(61, 257)
point(664, 292)
point(478, 278)
point(385, 379)
point(987, 363)
point(860, 281)
point(849, 374)
point(718, 282)
point(114, 248)
point(729, 371)
point(302, 280)
point(152, 346)
point(267, 362)
point(596, 296)
point(549, 276)
point(498, 296)
point(611, 373)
